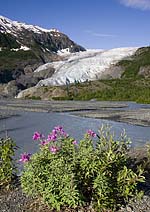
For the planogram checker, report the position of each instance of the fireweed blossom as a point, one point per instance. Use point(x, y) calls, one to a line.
point(74, 142)
point(25, 157)
point(59, 130)
point(37, 136)
point(52, 137)
point(44, 142)
point(54, 149)
point(91, 133)
point(56, 134)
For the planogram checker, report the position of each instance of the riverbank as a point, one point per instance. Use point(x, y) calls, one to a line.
point(139, 117)
point(115, 111)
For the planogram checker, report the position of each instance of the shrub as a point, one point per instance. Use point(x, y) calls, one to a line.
point(35, 98)
point(7, 166)
point(92, 173)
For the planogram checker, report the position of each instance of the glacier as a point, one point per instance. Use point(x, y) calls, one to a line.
point(82, 66)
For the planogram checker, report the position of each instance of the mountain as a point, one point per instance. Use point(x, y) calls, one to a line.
point(19, 36)
point(46, 64)
point(24, 47)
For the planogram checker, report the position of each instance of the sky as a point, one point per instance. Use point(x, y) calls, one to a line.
point(94, 24)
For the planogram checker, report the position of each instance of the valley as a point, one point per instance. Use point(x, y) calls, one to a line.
point(48, 81)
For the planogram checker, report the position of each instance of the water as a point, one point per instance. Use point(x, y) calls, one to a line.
point(133, 106)
point(22, 127)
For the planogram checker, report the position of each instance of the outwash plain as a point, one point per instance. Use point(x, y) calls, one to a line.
point(116, 111)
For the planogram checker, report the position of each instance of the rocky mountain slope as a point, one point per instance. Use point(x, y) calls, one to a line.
point(24, 47)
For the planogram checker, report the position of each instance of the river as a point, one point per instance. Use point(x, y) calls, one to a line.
point(22, 127)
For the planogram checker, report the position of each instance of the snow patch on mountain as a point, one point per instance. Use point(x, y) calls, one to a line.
point(82, 66)
point(63, 52)
point(10, 26)
point(24, 48)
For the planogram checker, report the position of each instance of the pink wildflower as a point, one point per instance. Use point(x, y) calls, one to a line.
point(25, 157)
point(54, 132)
point(74, 142)
point(58, 128)
point(91, 133)
point(52, 137)
point(59, 131)
point(53, 149)
point(63, 133)
point(37, 136)
point(45, 142)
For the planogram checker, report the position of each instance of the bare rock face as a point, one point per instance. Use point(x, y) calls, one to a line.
point(144, 71)
point(44, 74)
point(9, 90)
point(29, 69)
point(114, 72)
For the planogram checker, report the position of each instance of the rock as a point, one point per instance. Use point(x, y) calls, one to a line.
point(114, 72)
point(44, 73)
point(144, 71)
point(27, 93)
point(10, 89)
point(29, 69)
point(26, 81)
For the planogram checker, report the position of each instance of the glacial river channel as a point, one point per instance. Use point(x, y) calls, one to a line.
point(24, 123)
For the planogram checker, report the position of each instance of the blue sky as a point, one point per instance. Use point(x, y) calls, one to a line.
point(101, 24)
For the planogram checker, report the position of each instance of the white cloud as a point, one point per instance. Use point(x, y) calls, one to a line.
point(97, 34)
point(140, 4)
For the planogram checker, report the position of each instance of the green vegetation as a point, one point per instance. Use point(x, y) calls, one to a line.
point(7, 41)
point(35, 98)
point(7, 165)
point(117, 90)
point(137, 90)
point(132, 66)
point(11, 59)
point(68, 174)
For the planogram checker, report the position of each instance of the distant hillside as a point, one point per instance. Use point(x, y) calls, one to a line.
point(137, 65)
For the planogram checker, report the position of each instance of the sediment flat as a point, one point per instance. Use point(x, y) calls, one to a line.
point(139, 117)
point(116, 111)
